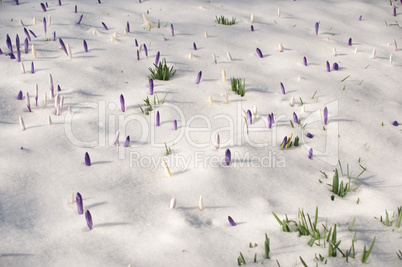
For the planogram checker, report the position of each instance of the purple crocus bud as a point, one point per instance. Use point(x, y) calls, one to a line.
point(138, 55)
point(85, 45)
point(151, 86)
point(58, 88)
point(42, 5)
point(27, 34)
point(305, 61)
point(12, 56)
point(36, 94)
point(252, 28)
point(228, 156)
point(9, 44)
point(194, 46)
point(32, 67)
point(175, 125)
point(335, 66)
point(172, 29)
point(18, 54)
point(17, 2)
point(99, 2)
point(309, 135)
point(54, 36)
point(136, 42)
point(80, 206)
point(157, 58)
point(198, 77)
point(87, 159)
point(269, 121)
point(127, 142)
point(310, 153)
point(128, 27)
point(47, 6)
point(325, 115)
point(231, 221)
point(88, 218)
point(328, 67)
point(44, 24)
point(33, 34)
point(59, 2)
point(17, 41)
point(26, 46)
point(316, 28)
point(1, 52)
point(249, 117)
point(282, 88)
point(350, 42)
point(145, 50)
point(19, 96)
point(122, 104)
point(285, 141)
point(75, 9)
point(158, 119)
point(79, 21)
point(259, 53)
point(295, 119)
point(104, 26)
point(395, 123)
point(63, 46)
point(272, 117)
point(394, 12)
point(360, 18)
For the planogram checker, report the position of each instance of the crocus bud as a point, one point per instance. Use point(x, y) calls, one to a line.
point(51, 85)
point(229, 56)
point(63, 46)
point(269, 121)
point(328, 67)
point(151, 86)
point(252, 18)
point(334, 51)
point(210, 101)
point(88, 218)
point(72, 198)
point(218, 141)
point(45, 99)
point(223, 75)
point(228, 157)
point(395, 123)
point(22, 68)
point(231, 221)
point(70, 54)
point(36, 94)
point(373, 54)
point(28, 102)
point(350, 42)
point(26, 46)
point(157, 58)
point(360, 18)
point(194, 46)
point(127, 142)
point(316, 28)
point(310, 153)
point(34, 52)
point(158, 119)
point(80, 206)
point(122, 104)
point(280, 47)
point(75, 9)
point(226, 97)
point(49, 120)
point(145, 50)
point(205, 34)
point(138, 55)
point(166, 169)
point(33, 34)
point(22, 124)
point(201, 204)
point(395, 46)
point(279, 12)
point(87, 159)
point(80, 19)
point(190, 56)
point(259, 53)
point(44, 25)
point(335, 66)
point(214, 58)
point(173, 203)
point(292, 101)
point(104, 26)
point(249, 117)
point(175, 125)
point(128, 27)
point(27, 34)
point(172, 29)
point(116, 139)
point(19, 96)
point(252, 28)
point(355, 51)
point(198, 77)
point(390, 59)
point(309, 135)
point(325, 115)
point(295, 119)
point(282, 88)
point(32, 68)
point(394, 13)
point(303, 109)
point(305, 61)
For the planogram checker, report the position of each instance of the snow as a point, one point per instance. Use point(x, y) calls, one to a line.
point(127, 190)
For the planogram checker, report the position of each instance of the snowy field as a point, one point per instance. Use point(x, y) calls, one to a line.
point(142, 216)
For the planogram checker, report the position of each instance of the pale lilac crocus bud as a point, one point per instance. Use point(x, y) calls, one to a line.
point(158, 119)
point(172, 29)
point(87, 159)
point(325, 115)
point(269, 121)
point(249, 117)
point(310, 153)
point(218, 141)
point(175, 125)
point(32, 67)
point(127, 142)
point(228, 156)
point(151, 86)
point(328, 67)
point(295, 119)
point(122, 104)
point(80, 206)
point(9, 44)
point(316, 28)
point(198, 77)
point(157, 58)
point(88, 218)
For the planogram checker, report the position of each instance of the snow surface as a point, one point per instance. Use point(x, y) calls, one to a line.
point(127, 190)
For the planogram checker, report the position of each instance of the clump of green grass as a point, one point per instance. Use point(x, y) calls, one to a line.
point(168, 150)
point(387, 221)
point(267, 248)
point(339, 188)
point(240, 260)
point(225, 21)
point(148, 107)
point(161, 71)
point(366, 253)
point(238, 86)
